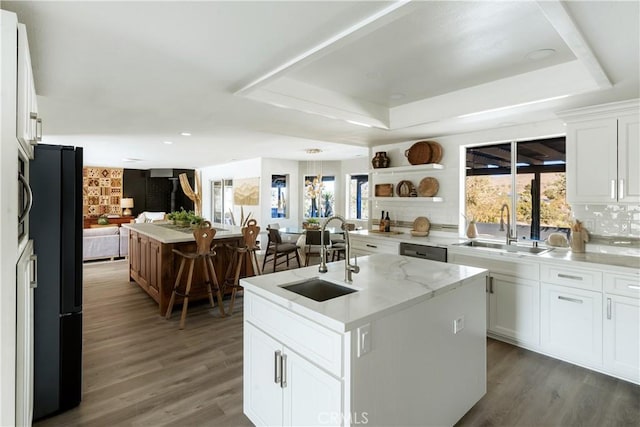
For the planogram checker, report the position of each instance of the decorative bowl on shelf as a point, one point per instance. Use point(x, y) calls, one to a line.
point(419, 233)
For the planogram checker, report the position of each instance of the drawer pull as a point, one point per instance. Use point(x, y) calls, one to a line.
point(283, 368)
point(277, 367)
point(577, 301)
point(633, 286)
point(371, 246)
point(569, 276)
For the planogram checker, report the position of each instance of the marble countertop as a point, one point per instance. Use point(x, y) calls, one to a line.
point(386, 284)
point(442, 239)
point(166, 233)
point(606, 255)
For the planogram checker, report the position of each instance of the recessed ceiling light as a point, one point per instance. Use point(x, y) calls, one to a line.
point(313, 150)
point(167, 142)
point(185, 133)
point(131, 159)
point(397, 95)
point(536, 55)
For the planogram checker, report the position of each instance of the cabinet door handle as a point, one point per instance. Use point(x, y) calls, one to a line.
point(277, 367)
point(568, 276)
point(609, 308)
point(283, 368)
point(613, 189)
point(577, 301)
point(490, 285)
point(39, 127)
point(34, 283)
point(371, 246)
point(633, 286)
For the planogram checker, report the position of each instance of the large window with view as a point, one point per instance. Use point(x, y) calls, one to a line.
point(531, 171)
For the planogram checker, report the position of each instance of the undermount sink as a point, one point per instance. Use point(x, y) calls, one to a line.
point(504, 247)
point(318, 289)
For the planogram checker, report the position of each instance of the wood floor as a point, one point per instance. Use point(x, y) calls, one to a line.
point(139, 369)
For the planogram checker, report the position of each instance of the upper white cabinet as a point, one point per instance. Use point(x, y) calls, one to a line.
point(603, 148)
point(29, 124)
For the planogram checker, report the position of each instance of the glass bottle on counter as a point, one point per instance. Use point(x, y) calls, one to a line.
point(387, 223)
point(381, 224)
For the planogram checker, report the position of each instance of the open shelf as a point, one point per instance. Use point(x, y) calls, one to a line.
point(405, 169)
point(407, 199)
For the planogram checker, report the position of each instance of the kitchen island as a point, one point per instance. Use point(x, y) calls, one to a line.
point(408, 347)
point(154, 266)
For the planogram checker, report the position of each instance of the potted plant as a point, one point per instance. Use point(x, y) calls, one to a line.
point(103, 220)
point(313, 223)
point(182, 218)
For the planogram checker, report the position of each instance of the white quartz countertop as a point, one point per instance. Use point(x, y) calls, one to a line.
point(443, 239)
point(611, 256)
point(386, 284)
point(167, 233)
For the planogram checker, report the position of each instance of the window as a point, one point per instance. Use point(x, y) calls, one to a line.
point(222, 201)
point(532, 170)
point(358, 194)
point(279, 196)
point(319, 196)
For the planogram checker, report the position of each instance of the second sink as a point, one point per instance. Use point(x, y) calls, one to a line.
point(503, 247)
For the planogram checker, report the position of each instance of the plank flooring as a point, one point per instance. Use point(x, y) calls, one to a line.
point(141, 370)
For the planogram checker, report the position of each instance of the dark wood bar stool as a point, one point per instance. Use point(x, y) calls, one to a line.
point(246, 250)
point(204, 236)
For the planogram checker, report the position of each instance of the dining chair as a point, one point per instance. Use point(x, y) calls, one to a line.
point(338, 246)
point(277, 249)
point(313, 244)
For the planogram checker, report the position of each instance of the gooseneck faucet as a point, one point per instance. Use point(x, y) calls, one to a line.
point(510, 237)
point(348, 267)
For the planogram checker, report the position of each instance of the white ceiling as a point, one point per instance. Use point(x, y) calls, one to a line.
point(274, 78)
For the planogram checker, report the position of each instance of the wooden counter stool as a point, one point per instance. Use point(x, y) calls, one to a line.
point(204, 236)
point(245, 250)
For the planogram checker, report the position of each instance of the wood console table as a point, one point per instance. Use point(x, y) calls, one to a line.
point(154, 266)
point(89, 221)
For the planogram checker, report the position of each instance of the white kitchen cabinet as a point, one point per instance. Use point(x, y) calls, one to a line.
point(29, 124)
point(514, 308)
point(621, 332)
point(513, 298)
point(26, 282)
point(284, 388)
point(571, 324)
point(364, 245)
point(602, 154)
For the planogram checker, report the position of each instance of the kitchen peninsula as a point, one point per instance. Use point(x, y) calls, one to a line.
point(408, 347)
point(154, 266)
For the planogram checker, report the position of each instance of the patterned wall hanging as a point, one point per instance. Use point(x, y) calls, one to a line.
point(101, 191)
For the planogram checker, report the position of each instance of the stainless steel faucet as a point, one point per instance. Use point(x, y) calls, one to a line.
point(348, 267)
point(510, 237)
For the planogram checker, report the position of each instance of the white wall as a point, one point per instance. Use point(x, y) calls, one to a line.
point(451, 189)
point(242, 169)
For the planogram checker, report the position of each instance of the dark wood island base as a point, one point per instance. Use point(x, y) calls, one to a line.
point(154, 266)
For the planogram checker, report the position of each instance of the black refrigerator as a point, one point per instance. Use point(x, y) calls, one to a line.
point(55, 225)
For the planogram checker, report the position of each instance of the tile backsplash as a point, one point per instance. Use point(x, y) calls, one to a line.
point(609, 220)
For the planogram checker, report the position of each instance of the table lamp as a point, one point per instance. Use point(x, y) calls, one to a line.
point(126, 203)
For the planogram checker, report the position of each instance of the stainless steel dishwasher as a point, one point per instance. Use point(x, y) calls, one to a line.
point(434, 253)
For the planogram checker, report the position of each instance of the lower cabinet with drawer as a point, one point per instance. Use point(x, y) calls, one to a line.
point(282, 383)
point(513, 298)
point(571, 324)
point(363, 245)
point(621, 330)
